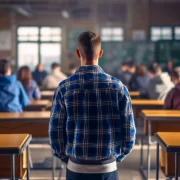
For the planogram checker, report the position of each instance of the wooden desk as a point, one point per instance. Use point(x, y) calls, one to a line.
point(35, 123)
point(47, 95)
point(37, 105)
point(140, 104)
point(170, 142)
point(14, 155)
point(134, 94)
point(159, 121)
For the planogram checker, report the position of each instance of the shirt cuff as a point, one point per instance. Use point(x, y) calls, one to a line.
point(120, 158)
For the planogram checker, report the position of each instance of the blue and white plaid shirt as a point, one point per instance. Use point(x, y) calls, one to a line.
point(91, 117)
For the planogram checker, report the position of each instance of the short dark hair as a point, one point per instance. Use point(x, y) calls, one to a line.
point(154, 68)
point(89, 45)
point(176, 74)
point(4, 66)
point(55, 65)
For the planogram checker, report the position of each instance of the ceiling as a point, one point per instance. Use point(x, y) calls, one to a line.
point(111, 9)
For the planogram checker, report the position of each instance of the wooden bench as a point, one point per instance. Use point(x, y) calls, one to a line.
point(140, 104)
point(170, 143)
point(35, 123)
point(38, 105)
point(158, 121)
point(47, 95)
point(134, 94)
point(14, 161)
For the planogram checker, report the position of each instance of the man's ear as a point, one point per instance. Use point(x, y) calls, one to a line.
point(78, 53)
point(100, 53)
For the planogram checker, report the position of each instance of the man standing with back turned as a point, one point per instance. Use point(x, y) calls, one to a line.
point(92, 124)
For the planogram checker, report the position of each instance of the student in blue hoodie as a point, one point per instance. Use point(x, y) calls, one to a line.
point(12, 94)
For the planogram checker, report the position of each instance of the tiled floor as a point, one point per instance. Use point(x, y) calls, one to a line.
point(128, 169)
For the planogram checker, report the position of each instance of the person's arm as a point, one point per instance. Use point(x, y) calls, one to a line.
point(128, 129)
point(23, 97)
point(57, 127)
point(36, 93)
point(168, 100)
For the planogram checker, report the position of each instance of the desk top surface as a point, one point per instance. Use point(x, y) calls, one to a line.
point(25, 115)
point(12, 141)
point(47, 93)
point(134, 93)
point(147, 102)
point(160, 113)
point(39, 103)
point(170, 140)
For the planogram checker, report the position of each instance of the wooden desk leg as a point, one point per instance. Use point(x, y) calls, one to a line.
point(157, 161)
point(28, 164)
point(149, 151)
point(13, 167)
point(53, 166)
point(176, 166)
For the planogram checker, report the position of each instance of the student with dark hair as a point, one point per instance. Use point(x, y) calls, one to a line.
point(173, 98)
point(39, 74)
point(160, 83)
point(54, 78)
point(72, 69)
point(169, 67)
point(140, 80)
point(32, 90)
point(92, 123)
point(12, 94)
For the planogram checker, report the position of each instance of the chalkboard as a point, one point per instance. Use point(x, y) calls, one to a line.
point(166, 50)
point(72, 40)
point(117, 52)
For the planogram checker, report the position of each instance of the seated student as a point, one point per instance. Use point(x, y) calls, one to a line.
point(32, 90)
point(173, 98)
point(39, 74)
point(54, 78)
point(125, 72)
point(160, 83)
point(140, 80)
point(169, 67)
point(12, 94)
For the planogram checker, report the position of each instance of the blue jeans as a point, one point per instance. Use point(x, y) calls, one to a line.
point(101, 176)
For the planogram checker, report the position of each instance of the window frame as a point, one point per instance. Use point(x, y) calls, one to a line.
point(161, 27)
point(112, 40)
point(39, 42)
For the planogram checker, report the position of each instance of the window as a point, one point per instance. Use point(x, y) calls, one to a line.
point(177, 33)
point(161, 33)
point(38, 45)
point(112, 34)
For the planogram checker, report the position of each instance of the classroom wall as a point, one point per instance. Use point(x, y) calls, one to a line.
point(132, 16)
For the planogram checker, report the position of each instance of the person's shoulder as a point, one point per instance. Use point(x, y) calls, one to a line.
point(19, 84)
point(116, 83)
point(33, 83)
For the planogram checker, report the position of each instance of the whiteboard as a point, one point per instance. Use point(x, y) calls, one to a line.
point(5, 40)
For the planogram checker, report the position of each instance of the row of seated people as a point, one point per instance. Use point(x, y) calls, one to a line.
point(16, 93)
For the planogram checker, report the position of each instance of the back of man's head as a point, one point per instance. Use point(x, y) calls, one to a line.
point(89, 46)
point(55, 65)
point(4, 67)
point(154, 68)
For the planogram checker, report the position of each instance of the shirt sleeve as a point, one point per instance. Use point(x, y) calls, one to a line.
point(57, 127)
point(36, 93)
point(23, 97)
point(128, 128)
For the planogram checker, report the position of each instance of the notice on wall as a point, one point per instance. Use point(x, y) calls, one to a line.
point(5, 40)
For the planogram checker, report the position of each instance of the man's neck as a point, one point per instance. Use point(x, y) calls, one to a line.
point(89, 63)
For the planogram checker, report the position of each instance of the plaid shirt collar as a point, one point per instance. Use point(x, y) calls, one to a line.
point(85, 68)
